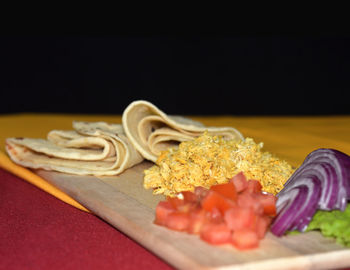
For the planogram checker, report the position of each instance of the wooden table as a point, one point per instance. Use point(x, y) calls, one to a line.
point(40, 220)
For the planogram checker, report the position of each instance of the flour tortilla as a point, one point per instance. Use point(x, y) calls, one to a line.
point(150, 130)
point(92, 148)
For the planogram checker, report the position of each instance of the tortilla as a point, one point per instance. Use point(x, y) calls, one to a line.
point(92, 148)
point(150, 130)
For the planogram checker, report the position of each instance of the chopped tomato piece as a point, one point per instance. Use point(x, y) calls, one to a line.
point(163, 209)
point(198, 219)
point(261, 226)
point(214, 199)
point(228, 190)
point(175, 202)
point(181, 204)
point(200, 192)
point(246, 199)
point(253, 186)
point(178, 221)
point(189, 196)
point(245, 239)
point(238, 218)
point(268, 202)
point(240, 182)
point(216, 234)
point(215, 215)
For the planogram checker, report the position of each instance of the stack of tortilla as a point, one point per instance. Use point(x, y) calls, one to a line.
point(95, 148)
point(99, 148)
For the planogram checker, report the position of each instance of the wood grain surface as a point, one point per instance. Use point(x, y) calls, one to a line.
point(125, 204)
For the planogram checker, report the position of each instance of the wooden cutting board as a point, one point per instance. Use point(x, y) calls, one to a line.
point(125, 204)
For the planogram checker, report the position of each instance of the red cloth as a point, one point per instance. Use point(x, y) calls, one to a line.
point(38, 231)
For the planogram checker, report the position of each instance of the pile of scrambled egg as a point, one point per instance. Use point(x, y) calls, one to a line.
point(209, 160)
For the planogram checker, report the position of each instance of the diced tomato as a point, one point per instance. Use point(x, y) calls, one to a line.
point(268, 201)
point(181, 204)
point(198, 218)
point(216, 234)
point(240, 182)
point(247, 199)
point(215, 215)
point(236, 212)
point(200, 192)
point(227, 190)
point(261, 226)
point(178, 221)
point(163, 209)
point(175, 202)
point(238, 218)
point(253, 186)
point(189, 196)
point(214, 199)
point(245, 239)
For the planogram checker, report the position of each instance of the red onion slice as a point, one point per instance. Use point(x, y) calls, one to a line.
point(321, 182)
point(286, 208)
point(341, 164)
point(303, 210)
point(310, 205)
point(344, 160)
point(326, 174)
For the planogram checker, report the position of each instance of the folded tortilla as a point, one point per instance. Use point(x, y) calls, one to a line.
point(92, 148)
point(150, 130)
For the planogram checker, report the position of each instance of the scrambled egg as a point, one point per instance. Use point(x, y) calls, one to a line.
point(209, 160)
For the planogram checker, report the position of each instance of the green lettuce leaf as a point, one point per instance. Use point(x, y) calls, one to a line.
point(333, 223)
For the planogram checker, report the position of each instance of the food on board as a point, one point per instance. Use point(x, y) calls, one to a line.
point(209, 160)
point(95, 148)
point(151, 130)
point(203, 171)
point(321, 182)
point(236, 213)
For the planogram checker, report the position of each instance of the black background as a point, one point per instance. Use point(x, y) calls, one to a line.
point(197, 74)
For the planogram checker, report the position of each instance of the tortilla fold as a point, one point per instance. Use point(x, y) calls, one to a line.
point(92, 148)
point(151, 130)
